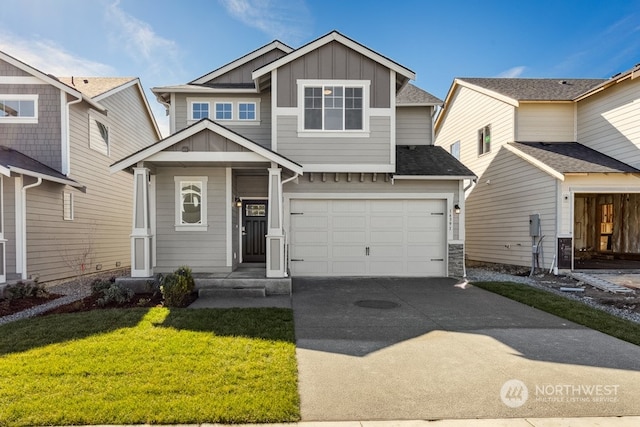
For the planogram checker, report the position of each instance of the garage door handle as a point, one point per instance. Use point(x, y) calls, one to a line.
point(437, 213)
point(297, 259)
point(437, 259)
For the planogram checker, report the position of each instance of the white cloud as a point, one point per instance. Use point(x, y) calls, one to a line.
point(50, 58)
point(286, 20)
point(512, 73)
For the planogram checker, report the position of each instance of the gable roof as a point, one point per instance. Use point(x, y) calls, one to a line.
point(276, 44)
point(429, 160)
point(204, 124)
point(413, 96)
point(632, 73)
point(534, 89)
point(328, 38)
point(17, 162)
point(567, 158)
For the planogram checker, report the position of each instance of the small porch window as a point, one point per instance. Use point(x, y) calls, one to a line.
point(191, 203)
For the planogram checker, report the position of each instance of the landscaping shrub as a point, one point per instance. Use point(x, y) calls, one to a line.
point(176, 287)
point(111, 292)
point(25, 290)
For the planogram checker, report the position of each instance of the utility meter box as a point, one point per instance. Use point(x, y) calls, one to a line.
point(534, 225)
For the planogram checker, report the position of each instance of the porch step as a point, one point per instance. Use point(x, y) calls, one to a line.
point(246, 292)
point(270, 286)
point(600, 283)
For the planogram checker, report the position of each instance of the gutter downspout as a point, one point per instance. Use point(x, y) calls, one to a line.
point(66, 161)
point(24, 225)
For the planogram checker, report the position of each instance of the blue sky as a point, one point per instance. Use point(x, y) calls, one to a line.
point(174, 41)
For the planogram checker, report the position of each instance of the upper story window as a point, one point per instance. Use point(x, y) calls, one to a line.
point(199, 110)
point(19, 108)
point(484, 140)
point(224, 111)
point(454, 149)
point(247, 111)
point(191, 203)
point(333, 106)
point(99, 134)
point(67, 206)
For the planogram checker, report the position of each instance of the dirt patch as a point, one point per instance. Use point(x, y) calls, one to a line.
point(8, 306)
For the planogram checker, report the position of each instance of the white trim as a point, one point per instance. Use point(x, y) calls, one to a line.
point(212, 126)
point(179, 226)
point(215, 110)
point(285, 111)
point(488, 92)
point(64, 134)
point(45, 177)
point(172, 114)
point(191, 101)
point(3, 241)
point(228, 209)
point(67, 195)
point(333, 36)
point(21, 97)
point(243, 60)
point(372, 196)
point(363, 168)
point(537, 163)
point(21, 80)
point(275, 110)
point(332, 133)
point(434, 177)
point(211, 156)
point(17, 191)
point(153, 227)
point(160, 90)
point(255, 111)
point(235, 109)
point(392, 122)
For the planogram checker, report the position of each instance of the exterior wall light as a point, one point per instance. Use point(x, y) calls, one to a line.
point(456, 209)
point(238, 202)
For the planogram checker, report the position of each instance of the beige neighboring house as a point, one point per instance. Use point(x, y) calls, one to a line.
point(316, 161)
point(62, 211)
point(565, 152)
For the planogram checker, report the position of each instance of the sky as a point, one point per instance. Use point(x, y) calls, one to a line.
point(166, 42)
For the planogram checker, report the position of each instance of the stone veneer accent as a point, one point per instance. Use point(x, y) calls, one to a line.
point(456, 260)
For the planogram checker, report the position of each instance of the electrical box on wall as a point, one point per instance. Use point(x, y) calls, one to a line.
point(534, 225)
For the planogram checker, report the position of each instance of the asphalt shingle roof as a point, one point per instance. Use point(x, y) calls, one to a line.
point(95, 86)
point(572, 157)
point(411, 94)
point(428, 160)
point(11, 158)
point(536, 89)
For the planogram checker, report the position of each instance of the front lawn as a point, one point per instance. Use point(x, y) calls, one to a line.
point(156, 366)
point(574, 311)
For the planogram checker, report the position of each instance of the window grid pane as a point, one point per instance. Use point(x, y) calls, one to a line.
point(224, 111)
point(334, 108)
point(247, 111)
point(200, 110)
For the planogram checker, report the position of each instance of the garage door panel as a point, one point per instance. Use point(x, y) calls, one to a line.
point(387, 268)
point(387, 221)
point(309, 252)
point(353, 206)
point(303, 237)
point(387, 251)
point(348, 251)
point(349, 268)
point(349, 222)
point(310, 268)
point(349, 237)
point(309, 221)
point(383, 236)
point(379, 206)
point(416, 236)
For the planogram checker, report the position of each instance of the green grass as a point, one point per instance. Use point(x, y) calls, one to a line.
point(156, 366)
point(574, 311)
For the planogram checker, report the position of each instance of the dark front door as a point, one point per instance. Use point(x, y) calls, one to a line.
point(254, 230)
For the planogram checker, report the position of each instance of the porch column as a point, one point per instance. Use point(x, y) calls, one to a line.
point(141, 236)
point(275, 233)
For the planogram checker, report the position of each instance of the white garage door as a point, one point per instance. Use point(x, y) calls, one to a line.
point(367, 237)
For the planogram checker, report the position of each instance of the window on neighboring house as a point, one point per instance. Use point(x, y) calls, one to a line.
point(333, 107)
point(98, 135)
point(67, 206)
point(454, 149)
point(246, 111)
point(191, 203)
point(199, 110)
point(224, 111)
point(19, 108)
point(484, 140)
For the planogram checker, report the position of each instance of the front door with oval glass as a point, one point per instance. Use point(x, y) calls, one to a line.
point(254, 230)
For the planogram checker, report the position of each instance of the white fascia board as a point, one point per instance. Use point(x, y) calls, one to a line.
point(196, 156)
point(243, 60)
point(5, 171)
point(435, 177)
point(355, 168)
point(198, 89)
point(535, 162)
point(333, 36)
point(45, 177)
point(488, 92)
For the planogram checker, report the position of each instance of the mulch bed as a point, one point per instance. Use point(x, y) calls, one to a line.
point(8, 307)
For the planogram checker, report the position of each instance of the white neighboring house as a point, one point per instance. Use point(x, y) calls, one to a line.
point(316, 161)
point(566, 151)
point(62, 212)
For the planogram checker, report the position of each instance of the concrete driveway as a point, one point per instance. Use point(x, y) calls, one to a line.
point(392, 349)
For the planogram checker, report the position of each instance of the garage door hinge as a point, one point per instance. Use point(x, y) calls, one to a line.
point(296, 213)
point(437, 213)
point(297, 259)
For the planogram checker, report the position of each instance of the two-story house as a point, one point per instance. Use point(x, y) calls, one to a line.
point(558, 162)
point(62, 213)
point(317, 161)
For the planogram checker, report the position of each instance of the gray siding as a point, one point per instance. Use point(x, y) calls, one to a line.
point(414, 126)
point(242, 74)
point(8, 201)
point(372, 150)
point(207, 141)
point(260, 134)
point(252, 186)
point(200, 250)
point(334, 61)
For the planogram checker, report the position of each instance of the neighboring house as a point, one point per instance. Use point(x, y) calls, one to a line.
point(564, 151)
point(62, 212)
point(317, 161)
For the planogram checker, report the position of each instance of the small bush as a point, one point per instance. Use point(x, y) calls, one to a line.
point(177, 286)
point(111, 292)
point(25, 290)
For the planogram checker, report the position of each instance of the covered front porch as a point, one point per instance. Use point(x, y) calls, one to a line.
point(210, 199)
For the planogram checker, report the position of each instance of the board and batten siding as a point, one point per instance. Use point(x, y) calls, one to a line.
point(242, 74)
point(498, 209)
point(546, 122)
point(258, 133)
point(102, 214)
point(374, 149)
point(414, 126)
point(608, 122)
point(334, 61)
point(203, 251)
point(469, 111)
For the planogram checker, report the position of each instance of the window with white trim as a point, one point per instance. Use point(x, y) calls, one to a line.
point(199, 110)
point(224, 111)
point(98, 135)
point(333, 107)
point(67, 206)
point(246, 111)
point(191, 203)
point(18, 108)
point(484, 140)
point(454, 149)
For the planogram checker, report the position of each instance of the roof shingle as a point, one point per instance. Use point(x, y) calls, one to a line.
point(428, 160)
point(413, 95)
point(536, 89)
point(95, 86)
